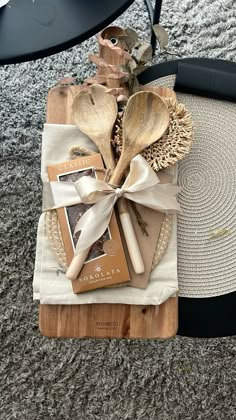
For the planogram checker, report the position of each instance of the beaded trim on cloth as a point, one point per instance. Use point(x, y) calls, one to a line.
point(163, 240)
point(55, 238)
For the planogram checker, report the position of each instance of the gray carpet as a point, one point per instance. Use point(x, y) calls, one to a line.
point(41, 379)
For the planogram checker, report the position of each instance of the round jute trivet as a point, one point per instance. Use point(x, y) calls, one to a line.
point(174, 145)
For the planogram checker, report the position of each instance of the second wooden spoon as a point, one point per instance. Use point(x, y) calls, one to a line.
point(145, 120)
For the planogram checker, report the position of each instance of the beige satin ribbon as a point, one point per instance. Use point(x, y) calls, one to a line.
point(141, 186)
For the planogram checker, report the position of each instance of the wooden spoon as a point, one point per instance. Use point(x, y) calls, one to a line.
point(95, 114)
point(145, 120)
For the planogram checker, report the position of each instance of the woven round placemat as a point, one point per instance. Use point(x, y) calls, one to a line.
point(207, 177)
point(207, 223)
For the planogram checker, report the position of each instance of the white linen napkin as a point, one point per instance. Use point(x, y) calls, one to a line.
point(50, 285)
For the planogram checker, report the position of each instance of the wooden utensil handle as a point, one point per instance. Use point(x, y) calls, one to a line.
point(126, 223)
point(131, 241)
point(130, 237)
point(77, 264)
point(106, 151)
point(120, 169)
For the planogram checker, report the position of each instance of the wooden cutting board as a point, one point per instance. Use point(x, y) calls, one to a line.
point(103, 320)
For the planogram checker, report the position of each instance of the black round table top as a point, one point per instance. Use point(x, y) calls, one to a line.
point(31, 29)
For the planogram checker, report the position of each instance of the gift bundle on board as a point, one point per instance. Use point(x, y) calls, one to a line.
point(108, 205)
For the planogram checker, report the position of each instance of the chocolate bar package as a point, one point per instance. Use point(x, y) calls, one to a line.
point(106, 263)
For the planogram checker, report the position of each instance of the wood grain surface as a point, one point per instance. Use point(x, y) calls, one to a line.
point(102, 320)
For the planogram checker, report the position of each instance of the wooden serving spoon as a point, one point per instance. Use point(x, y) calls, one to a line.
point(95, 114)
point(145, 120)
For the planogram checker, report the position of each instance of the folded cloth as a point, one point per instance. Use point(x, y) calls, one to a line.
point(50, 284)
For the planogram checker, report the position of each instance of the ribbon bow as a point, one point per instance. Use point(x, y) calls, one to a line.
point(141, 186)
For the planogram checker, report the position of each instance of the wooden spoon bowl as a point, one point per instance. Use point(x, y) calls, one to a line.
point(145, 120)
point(95, 113)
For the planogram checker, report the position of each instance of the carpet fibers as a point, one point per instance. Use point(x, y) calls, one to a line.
point(41, 378)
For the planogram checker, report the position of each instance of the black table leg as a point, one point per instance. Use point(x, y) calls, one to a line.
point(150, 9)
point(154, 15)
point(156, 20)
